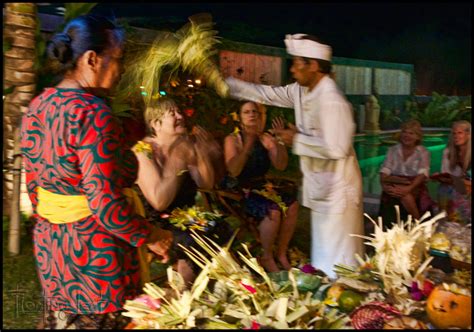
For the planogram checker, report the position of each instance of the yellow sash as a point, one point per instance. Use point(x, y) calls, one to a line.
point(63, 209)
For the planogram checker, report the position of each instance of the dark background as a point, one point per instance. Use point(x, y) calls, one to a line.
point(434, 37)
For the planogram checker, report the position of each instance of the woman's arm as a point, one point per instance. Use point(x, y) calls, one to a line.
point(387, 187)
point(400, 190)
point(276, 151)
point(236, 156)
point(204, 148)
point(159, 186)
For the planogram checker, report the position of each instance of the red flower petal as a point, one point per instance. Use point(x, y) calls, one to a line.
point(255, 326)
point(428, 286)
point(249, 288)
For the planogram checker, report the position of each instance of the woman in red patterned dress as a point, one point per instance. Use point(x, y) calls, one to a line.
point(86, 233)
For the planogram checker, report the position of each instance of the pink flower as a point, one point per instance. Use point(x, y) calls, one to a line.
point(249, 288)
point(148, 301)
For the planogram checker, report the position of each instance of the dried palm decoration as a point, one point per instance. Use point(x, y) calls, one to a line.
point(190, 49)
point(238, 299)
point(400, 255)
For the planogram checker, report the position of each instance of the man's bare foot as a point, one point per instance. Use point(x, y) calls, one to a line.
point(284, 262)
point(268, 263)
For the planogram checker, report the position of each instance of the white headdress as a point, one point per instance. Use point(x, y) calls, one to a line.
point(307, 48)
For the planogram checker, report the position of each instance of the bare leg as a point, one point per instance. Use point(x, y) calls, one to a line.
point(268, 231)
point(287, 229)
point(186, 271)
point(409, 203)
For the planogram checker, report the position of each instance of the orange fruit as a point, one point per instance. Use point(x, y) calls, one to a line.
point(448, 310)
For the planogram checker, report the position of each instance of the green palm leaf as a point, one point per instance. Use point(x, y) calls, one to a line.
point(190, 49)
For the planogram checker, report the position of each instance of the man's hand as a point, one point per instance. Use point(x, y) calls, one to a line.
point(278, 123)
point(286, 135)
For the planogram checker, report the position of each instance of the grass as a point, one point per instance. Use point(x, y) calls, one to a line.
point(21, 294)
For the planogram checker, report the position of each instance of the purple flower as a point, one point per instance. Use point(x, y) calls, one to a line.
point(417, 296)
point(308, 268)
point(415, 292)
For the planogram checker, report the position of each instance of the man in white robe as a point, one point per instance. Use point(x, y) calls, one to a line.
point(322, 138)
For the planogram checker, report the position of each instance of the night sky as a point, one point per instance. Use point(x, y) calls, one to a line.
point(435, 37)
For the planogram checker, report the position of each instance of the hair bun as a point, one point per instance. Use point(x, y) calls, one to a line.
point(66, 38)
point(60, 49)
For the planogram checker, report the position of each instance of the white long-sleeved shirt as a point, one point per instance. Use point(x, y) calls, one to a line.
point(417, 163)
point(324, 119)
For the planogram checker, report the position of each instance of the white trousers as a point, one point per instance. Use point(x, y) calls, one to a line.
point(330, 240)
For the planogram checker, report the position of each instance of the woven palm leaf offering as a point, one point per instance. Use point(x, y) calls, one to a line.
point(393, 285)
point(227, 295)
point(388, 284)
point(401, 257)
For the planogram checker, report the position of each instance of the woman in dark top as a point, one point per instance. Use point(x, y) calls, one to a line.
point(172, 165)
point(249, 153)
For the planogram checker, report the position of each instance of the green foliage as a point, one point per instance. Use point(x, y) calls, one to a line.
point(9, 90)
point(389, 119)
point(24, 8)
point(7, 45)
point(40, 48)
point(5, 223)
point(120, 108)
point(25, 222)
point(75, 9)
point(442, 111)
point(21, 291)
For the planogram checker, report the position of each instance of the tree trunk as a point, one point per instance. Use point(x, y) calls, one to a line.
point(15, 215)
point(19, 35)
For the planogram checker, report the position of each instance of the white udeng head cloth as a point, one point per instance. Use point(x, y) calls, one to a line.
point(307, 48)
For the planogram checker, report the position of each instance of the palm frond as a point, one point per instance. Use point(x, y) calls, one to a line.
point(190, 49)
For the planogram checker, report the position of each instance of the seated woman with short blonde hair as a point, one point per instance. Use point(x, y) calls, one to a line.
point(172, 166)
point(403, 176)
